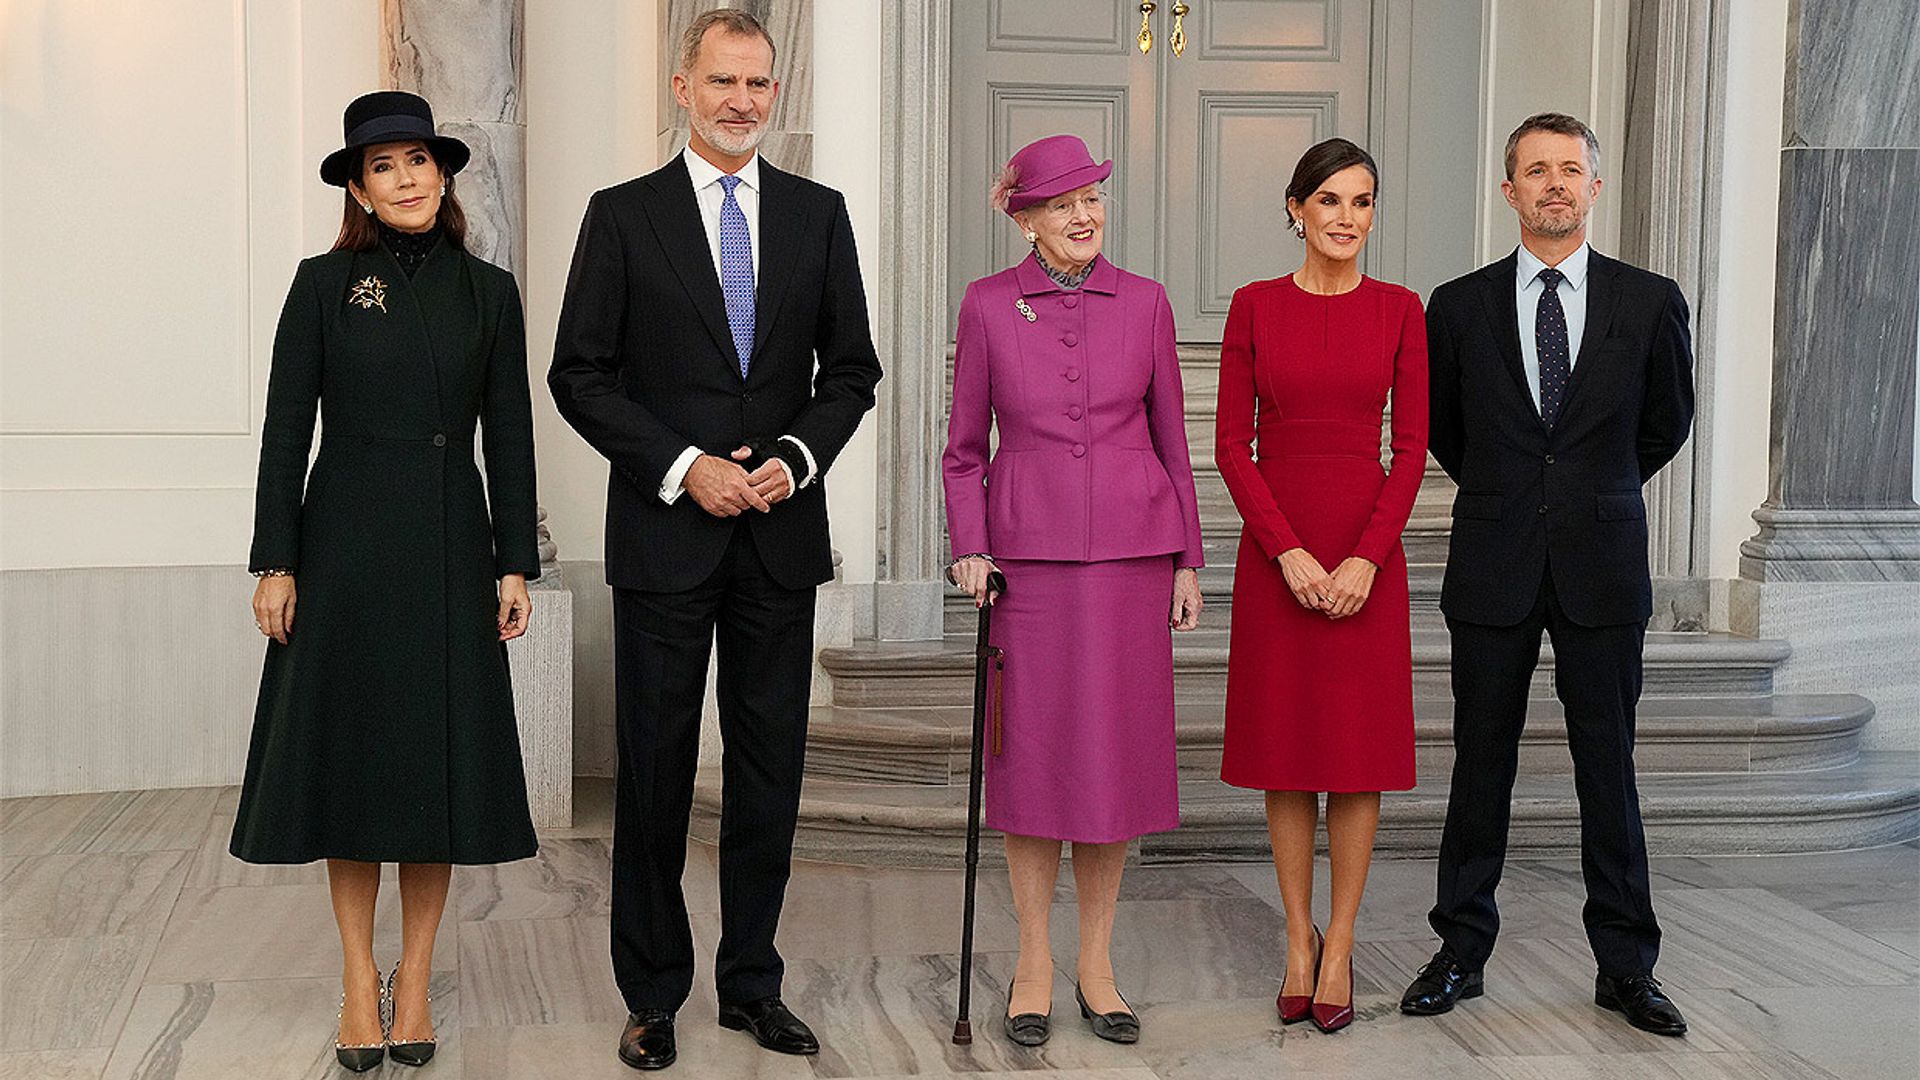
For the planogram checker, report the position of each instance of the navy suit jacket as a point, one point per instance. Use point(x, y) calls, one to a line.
point(1564, 500)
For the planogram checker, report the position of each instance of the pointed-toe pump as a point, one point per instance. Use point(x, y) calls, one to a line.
point(1297, 1007)
point(1120, 1026)
point(1327, 1016)
point(360, 1057)
point(414, 1052)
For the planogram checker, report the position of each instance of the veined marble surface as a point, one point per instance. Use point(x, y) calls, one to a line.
point(132, 946)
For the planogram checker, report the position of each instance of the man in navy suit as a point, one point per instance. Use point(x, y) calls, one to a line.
point(713, 346)
point(1561, 380)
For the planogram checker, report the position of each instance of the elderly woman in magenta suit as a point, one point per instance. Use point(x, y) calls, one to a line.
point(390, 578)
point(1088, 509)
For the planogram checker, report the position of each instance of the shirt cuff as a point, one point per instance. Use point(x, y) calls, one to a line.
point(813, 469)
point(788, 469)
point(675, 483)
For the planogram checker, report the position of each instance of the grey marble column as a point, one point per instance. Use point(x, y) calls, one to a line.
point(1666, 177)
point(789, 139)
point(1840, 501)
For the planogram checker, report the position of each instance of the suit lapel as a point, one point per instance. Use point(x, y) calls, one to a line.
point(1497, 292)
point(782, 228)
point(675, 215)
point(1601, 297)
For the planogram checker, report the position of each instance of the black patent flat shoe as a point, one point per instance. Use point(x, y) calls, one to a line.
point(647, 1041)
point(1117, 1027)
point(1641, 1000)
point(1026, 1029)
point(772, 1025)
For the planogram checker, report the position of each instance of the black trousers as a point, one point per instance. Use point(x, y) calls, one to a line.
point(661, 648)
point(1597, 678)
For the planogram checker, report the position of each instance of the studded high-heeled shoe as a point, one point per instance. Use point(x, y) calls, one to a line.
point(415, 1052)
point(360, 1057)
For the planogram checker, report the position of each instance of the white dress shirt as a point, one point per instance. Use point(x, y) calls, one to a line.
point(1526, 299)
point(709, 193)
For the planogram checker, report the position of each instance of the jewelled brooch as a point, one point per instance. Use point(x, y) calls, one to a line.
point(369, 292)
point(1021, 304)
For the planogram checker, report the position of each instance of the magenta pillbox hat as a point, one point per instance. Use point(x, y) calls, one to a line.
point(1047, 167)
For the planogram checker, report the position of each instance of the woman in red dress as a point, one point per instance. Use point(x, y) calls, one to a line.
point(1320, 674)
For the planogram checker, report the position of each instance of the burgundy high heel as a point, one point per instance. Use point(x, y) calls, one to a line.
point(1329, 1017)
point(1297, 1007)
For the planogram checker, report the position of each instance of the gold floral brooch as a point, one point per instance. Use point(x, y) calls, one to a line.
point(369, 292)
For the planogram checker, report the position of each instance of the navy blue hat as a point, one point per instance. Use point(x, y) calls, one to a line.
point(386, 116)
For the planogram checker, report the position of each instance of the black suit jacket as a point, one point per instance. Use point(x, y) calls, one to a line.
point(1566, 500)
point(644, 366)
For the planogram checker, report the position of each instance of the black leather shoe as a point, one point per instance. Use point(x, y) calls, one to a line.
point(647, 1042)
point(772, 1025)
point(1640, 999)
point(1441, 985)
point(1026, 1029)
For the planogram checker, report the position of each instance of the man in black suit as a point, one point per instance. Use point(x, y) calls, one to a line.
point(1561, 382)
point(701, 297)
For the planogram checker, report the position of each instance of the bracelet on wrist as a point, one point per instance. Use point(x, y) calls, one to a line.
point(274, 571)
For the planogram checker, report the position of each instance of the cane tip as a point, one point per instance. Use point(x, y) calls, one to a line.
point(962, 1033)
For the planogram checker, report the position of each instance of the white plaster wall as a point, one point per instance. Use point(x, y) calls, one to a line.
point(1749, 204)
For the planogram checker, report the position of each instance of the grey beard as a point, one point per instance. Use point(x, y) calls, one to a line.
point(718, 138)
point(1556, 229)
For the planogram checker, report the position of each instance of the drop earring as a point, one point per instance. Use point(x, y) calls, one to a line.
point(1300, 229)
point(443, 189)
point(367, 206)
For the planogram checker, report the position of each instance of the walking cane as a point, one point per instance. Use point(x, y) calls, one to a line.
point(983, 654)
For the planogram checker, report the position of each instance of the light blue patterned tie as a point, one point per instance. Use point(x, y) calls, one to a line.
point(736, 271)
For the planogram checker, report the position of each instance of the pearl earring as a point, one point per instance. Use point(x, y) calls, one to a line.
point(1300, 229)
point(1032, 236)
point(443, 189)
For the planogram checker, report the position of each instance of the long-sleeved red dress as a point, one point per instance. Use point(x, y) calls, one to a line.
point(1315, 704)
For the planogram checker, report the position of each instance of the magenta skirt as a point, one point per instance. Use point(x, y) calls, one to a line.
point(1086, 745)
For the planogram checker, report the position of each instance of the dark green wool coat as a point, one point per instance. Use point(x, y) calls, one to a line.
point(385, 728)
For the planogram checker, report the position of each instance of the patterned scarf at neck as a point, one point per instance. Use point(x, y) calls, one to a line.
point(411, 249)
point(1061, 277)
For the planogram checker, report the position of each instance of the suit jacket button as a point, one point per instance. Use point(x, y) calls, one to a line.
point(1549, 459)
point(1079, 450)
point(1069, 339)
point(439, 440)
point(1543, 509)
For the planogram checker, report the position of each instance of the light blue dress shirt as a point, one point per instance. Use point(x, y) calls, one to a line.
point(1526, 300)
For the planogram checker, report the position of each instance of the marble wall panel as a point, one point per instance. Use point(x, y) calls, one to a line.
point(1853, 74)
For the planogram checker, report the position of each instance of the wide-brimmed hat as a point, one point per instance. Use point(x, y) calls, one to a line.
point(1047, 167)
point(386, 116)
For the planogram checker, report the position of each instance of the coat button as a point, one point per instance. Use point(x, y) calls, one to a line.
point(1069, 339)
point(1073, 412)
point(439, 440)
point(1079, 450)
point(1072, 374)
point(1543, 509)
point(1070, 300)
point(1549, 459)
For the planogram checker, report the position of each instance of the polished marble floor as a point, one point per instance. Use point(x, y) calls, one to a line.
point(131, 945)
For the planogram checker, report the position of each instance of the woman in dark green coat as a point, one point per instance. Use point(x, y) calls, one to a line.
point(385, 729)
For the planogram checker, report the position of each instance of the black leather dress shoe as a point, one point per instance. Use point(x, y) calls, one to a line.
point(1440, 985)
point(647, 1042)
point(1639, 997)
point(772, 1025)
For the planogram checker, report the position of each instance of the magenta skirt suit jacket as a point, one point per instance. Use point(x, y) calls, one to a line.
point(1088, 507)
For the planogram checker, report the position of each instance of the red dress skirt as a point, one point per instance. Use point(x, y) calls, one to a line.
point(1315, 704)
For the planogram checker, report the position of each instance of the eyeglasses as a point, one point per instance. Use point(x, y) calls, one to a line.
point(1063, 208)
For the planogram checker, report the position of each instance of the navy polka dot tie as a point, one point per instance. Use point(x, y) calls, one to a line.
point(736, 272)
point(1550, 343)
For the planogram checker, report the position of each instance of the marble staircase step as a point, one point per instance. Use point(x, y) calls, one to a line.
point(1874, 800)
point(889, 674)
point(932, 745)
